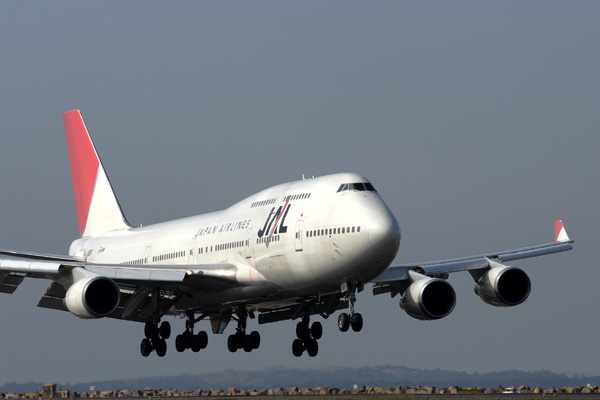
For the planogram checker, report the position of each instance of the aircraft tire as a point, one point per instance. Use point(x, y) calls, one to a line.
point(232, 343)
point(161, 347)
point(254, 339)
point(187, 337)
point(196, 344)
point(179, 343)
point(150, 330)
point(312, 347)
point(302, 331)
point(203, 336)
point(165, 330)
point(344, 322)
point(240, 339)
point(297, 347)
point(316, 330)
point(146, 347)
point(357, 322)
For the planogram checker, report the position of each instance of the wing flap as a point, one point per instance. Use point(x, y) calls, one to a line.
point(138, 274)
point(192, 274)
point(29, 267)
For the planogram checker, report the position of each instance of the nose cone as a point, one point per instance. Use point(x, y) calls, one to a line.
point(384, 233)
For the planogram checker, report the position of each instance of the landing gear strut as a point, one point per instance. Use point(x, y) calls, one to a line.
point(307, 337)
point(155, 338)
point(240, 340)
point(187, 340)
point(350, 319)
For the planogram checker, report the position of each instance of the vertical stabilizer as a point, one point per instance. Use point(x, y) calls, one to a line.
point(98, 210)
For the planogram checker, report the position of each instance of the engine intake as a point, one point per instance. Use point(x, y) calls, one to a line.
point(503, 286)
point(428, 298)
point(92, 297)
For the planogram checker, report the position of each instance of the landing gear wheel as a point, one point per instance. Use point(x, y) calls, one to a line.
point(247, 345)
point(344, 322)
point(146, 347)
point(254, 339)
point(316, 330)
point(357, 322)
point(180, 343)
point(165, 330)
point(187, 339)
point(203, 337)
point(232, 343)
point(196, 345)
point(161, 347)
point(312, 347)
point(297, 347)
point(240, 339)
point(150, 330)
point(302, 331)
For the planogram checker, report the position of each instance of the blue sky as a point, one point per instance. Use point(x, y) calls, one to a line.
point(476, 121)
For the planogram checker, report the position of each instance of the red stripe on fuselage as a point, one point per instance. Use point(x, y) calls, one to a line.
point(278, 219)
point(84, 163)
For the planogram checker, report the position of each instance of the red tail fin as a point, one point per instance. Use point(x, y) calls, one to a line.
point(98, 210)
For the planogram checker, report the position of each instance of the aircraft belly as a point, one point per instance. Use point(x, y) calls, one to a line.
point(228, 298)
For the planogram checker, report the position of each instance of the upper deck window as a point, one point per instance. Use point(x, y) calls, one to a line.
point(360, 187)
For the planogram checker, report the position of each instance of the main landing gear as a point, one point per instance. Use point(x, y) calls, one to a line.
point(187, 340)
point(350, 319)
point(240, 340)
point(307, 337)
point(155, 338)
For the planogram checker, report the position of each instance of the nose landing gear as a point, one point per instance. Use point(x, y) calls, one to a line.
point(350, 319)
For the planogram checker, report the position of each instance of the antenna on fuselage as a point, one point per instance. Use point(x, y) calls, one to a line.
point(303, 178)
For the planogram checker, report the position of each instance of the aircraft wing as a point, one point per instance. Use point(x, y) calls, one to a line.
point(135, 282)
point(398, 275)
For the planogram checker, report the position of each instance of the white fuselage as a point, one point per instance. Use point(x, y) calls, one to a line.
point(303, 238)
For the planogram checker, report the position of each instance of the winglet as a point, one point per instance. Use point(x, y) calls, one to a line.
point(560, 233)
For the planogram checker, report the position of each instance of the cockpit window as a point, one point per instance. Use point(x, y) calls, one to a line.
point(360, 187)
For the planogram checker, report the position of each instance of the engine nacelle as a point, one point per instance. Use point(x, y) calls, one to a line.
point(503, 286)
point(92, 297)
point(428, 298)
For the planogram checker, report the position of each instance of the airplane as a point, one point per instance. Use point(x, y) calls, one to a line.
point(289, 252)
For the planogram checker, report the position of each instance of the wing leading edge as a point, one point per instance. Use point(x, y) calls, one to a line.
point(396, 277)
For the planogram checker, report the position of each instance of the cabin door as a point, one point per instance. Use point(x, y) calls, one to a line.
point(298, 237)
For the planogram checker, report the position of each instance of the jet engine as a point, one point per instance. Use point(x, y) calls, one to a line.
point(428, 298)
point(503, 286)
point(92, 296)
